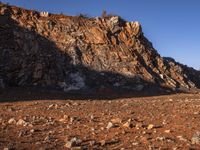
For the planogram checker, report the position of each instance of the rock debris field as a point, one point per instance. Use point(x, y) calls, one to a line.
point(159, 122)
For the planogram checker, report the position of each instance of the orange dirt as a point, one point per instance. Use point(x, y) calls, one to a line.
point(157, 122)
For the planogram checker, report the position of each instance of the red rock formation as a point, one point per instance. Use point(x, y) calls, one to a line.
point(42, 49)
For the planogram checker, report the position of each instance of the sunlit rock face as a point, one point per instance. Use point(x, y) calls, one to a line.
point(77, 53)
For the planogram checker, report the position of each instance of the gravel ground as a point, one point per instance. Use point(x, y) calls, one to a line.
point(154, 122)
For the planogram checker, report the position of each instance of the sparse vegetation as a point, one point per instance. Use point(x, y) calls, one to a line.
point(105, 15)
point(81, 15)
point(3, 4)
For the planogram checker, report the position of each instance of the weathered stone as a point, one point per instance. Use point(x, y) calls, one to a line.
point(21, 122)
point(61, 52)
point(74, 142)
point(110, 125)
point(12, 121)
point(114, 21)
point(44, 14)
point(96, 36)
point(167, 131)
point(116, 120)
point(102, 142)
point(181, 138)
point(128, 125)
point(150, 126)
point(196, 138)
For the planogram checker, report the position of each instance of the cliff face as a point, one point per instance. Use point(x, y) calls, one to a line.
point(77, 53)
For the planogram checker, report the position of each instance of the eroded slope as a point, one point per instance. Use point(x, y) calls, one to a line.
point(77, 53)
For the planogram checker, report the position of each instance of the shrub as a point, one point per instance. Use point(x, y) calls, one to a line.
point(83, 15)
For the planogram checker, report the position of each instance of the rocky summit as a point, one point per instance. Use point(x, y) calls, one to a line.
point(77, 53)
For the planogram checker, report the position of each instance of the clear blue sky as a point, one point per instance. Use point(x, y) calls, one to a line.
point(173, 26)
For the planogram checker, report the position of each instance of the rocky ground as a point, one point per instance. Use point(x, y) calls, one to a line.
point(36, 120)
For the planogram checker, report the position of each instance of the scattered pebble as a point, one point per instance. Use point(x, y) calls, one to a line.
point(181, 138)
point(138, 126)
point(10, 109)
point(12, 121)
point(196, 138)
point(38, 143)
point(135, 143)
point(92, 117)
point(103, 142)
point(150, 126)
point(62, 120)
point(116, 120)
point(21, 122)
point(22, 133)
point(110, 125)
point(73, 143)
point(71, 119)
point(92, 143)
point(160, 138)
point(128, 125)
point(50, 106)
point(167, 131)
point(32, 130)
point(70, 144)
point(47, 138)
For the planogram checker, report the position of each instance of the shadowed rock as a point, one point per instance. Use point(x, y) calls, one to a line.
point(84, 54)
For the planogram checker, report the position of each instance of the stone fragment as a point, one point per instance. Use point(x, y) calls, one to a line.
point(167, 131)
point(74, 142)
point(92, 143)
point(12, 121)
point(92, 117)
point(138, 125)
point(21, 122)
point(128, 124)
point(196, 138)
point(150, 126)
point(116, 120)
point(110, 125)
point(32, 130)
point(44, 14)
point(96, 36)
point(69, 144)
point(103, 142)
point(47, 138)
point(181, 138)
point(135, 143)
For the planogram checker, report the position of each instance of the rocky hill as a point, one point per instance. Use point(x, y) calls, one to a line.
point(104, 54)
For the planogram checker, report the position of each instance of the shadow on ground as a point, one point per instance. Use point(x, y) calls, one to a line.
point(22, 94)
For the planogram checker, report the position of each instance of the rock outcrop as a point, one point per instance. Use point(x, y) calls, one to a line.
point(77, 53)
